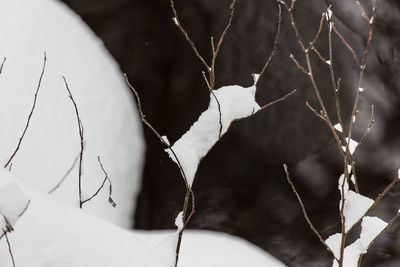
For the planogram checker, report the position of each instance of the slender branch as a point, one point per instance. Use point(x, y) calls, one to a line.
point(371, 123)
point(25, 209)
point(348, 46)
point(321, 22)
point(300, 67)
point(2, 64)
point(65, 175)
point(275, 46)
point(189, 191)
point(101, 187)
point(276, 101)
point(30, 113)
point(303, 209)
point(80, 128)
point(178, 24)
point(9, 248)
point(219, 113)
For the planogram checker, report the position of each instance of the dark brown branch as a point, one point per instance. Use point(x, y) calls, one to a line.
point(299, 66)
point(348, 46)
point(276, 101)
point(2, 64)
point(9, 248)
point(101, 187)
point(303, 209)
point(275, 46)
point(25, 209)
point(371, 123)
point(219, 113)
point(30, 113)
point(65, 175)
point(189, 191)
point(80, 128)
point(178, 24)
point(321, 22)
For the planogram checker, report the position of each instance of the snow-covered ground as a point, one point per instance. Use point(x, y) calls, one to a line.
point(51, 233)
point(111, 127)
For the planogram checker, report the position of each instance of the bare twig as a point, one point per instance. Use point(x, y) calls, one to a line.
point(300, 67)
point(371, 123)
point(179, 25)
point(189, 191)
point(303, 209)
point(80, 128)
point(30, 113)
point(2, 64)
point(9, 248)
point(101, 187)
point(219, 114)
point(277, 101)
point(25, 209)
point(275, 46)
point(65, 175)
point(348, 46)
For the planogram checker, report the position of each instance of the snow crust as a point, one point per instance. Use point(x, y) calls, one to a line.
point(12, 204)
point(235, 102)
point(52, 233)
point(371, 227)
point(355, 205)
point(109, 116)
point(213, 249)
point(352, 144)
point(338, 127)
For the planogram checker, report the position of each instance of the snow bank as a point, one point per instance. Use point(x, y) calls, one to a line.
point(235, 102)
point(213, 249)
point(109, 116)
point(51, 233)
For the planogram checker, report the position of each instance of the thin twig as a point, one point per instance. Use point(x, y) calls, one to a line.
point(275, 46)
point(65, 175)
point(303, 209)
point(2, 64)
point(80, 128)
point(189, 191)
point(9, 248)
point(300, 67)
point(178, 24)
point(25, 209)
point(30, 113)
point(371, 123)
point(219, 113)
point(348, 46)
point(101, 187)
point(277, 101)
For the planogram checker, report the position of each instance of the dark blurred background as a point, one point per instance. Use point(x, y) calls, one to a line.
point(240, 185)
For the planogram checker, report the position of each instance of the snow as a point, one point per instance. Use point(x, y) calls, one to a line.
point(355, 205)
point(12, 203)
point(328, 62)
point(361, 89)
point(175, 20)
point(236, 102)
point(334, 242)
point(352, 144)
point(109, 116)
point(398, 173)
point(52, 233)
point(213, 249)
point(179, 221)
point(338, 127)
point(371, 227)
